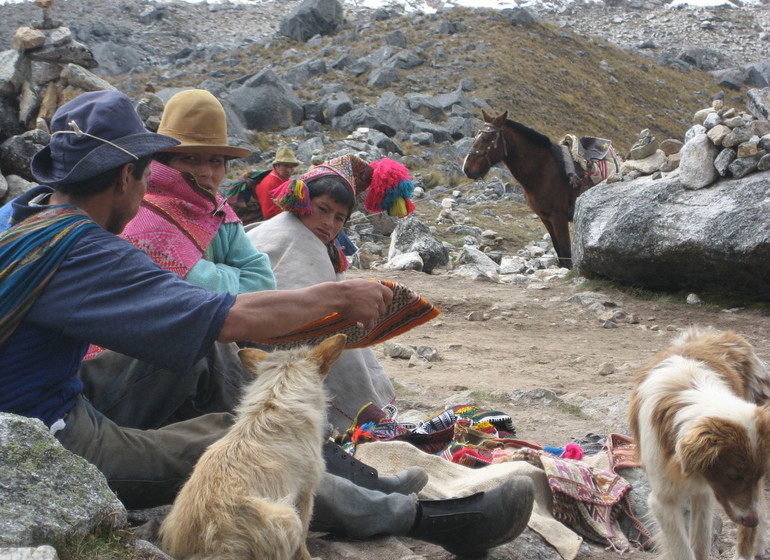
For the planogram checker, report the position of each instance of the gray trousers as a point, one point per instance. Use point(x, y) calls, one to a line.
point(145, 428)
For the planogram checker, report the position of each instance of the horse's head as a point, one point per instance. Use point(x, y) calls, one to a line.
point(488, 147)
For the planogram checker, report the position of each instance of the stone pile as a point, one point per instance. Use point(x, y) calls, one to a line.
point(734, 142)
point(648, 156)
point(44, 68)
point(723, 142)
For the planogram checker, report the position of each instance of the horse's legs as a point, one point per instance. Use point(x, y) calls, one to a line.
point(559, 231)
point(549, 227)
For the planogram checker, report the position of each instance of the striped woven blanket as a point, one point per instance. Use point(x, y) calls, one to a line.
point(407, 311)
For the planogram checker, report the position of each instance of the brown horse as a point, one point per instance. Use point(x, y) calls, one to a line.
point(537, 164)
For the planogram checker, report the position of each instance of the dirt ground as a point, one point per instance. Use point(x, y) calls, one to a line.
point(534, 338)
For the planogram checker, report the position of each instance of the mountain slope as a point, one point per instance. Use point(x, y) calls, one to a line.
point(546, 77)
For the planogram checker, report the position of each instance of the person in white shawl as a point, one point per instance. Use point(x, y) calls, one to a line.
point(300, 244)
point(300, 259)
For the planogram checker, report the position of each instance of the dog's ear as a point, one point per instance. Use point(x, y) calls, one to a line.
point(328, 351)
point(763, 428)
point(250, 357)
point(698, 449)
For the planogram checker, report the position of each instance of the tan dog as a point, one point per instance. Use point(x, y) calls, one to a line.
point(250, 495)
point(700, 415)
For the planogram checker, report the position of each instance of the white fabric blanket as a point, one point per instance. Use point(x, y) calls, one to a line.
point(449, 480)
point(299, 259)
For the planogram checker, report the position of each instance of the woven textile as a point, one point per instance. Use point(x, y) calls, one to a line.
point(586, 499)
point(407, 311)
point(490, 421)
point(355, 171)
point(465, 434)
point(597, 170)
point(242, 196)
point(596, 158)
point(439, 422)
point(30, 253)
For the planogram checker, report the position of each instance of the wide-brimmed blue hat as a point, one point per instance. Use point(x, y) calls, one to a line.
point(93, 133)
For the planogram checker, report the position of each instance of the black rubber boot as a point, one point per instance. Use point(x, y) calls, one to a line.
point(468, 527)
point(342, 464)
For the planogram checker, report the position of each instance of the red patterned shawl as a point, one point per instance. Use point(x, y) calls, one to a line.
point(177, 219)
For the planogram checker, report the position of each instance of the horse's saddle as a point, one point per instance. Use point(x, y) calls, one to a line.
point(588, 160)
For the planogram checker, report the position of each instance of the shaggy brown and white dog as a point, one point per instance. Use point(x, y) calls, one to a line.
point(250, 496)
point(700, 415)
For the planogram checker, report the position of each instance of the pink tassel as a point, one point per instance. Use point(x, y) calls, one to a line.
point(572, 451)
point(386, 176)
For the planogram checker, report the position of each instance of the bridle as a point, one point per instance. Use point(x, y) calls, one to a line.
point(489, 128)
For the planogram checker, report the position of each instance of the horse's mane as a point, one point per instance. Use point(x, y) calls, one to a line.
point(539, 139)
point(533, 135)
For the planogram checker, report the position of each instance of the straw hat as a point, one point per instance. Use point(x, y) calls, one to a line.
point(93, 133)
point(197, 119)
point(286, 156)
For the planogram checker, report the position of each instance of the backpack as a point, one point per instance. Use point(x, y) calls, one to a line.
point(242, 196)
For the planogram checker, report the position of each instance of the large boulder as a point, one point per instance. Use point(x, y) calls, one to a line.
point(17, 151)
point(48, 493)
point(366, 117)
point(13, 69)
point(759, 102)
point(413, 236)
point(660, 235)
point(114, 59)
point(313, 17)
point(265, 102)
point(72, 51)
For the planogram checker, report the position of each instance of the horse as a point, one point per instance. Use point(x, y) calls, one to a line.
point(538, 165)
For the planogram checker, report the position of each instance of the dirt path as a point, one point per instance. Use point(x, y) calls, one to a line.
point(535, 338)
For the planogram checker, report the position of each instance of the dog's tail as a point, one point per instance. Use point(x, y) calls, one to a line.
point(251, 528)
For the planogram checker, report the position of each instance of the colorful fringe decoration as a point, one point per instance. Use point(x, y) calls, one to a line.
point(363, 433)
point(293, 196)
point(406, 311)
point(390, 189)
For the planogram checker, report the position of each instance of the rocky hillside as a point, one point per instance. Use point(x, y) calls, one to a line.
point(739, 36)
point(582, 69)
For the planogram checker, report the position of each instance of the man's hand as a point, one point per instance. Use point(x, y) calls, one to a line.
point(263, 315)
point(364, 301)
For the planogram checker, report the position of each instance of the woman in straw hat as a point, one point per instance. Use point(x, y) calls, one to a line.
point(184, 224)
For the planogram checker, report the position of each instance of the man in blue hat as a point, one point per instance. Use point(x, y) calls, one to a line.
point(67, 279)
